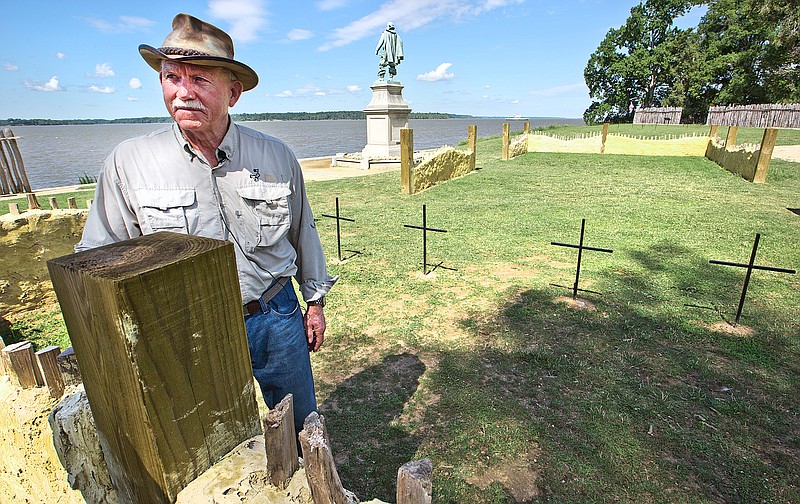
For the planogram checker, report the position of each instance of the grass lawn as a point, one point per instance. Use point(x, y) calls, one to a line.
point(80, 195)
point(516, 397)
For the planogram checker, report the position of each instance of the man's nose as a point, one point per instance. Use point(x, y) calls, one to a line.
point(185, 90)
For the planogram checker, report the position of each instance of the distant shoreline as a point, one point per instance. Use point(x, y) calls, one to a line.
point(282, 116)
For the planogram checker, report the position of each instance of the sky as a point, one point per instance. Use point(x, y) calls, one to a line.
point(79, 59)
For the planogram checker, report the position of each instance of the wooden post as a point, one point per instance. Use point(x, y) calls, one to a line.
point(72, 203)
point(407, 160)
point(765, 154)
point(11, 181)
point(713, 131)
point(5, 365)
point(6, 186)
point(280, 443)
point(23, 364)
point(48, 367)
point(506, 141)
point(603, 139)
point(68, 365)
point(19, 165)
point(158, 330)
point(711, 134)
point(13, 209)
point(33, 202)
point(472, 145)
point(415, 482)
point(730, 139)
point(326, 487)
point(526, 127)
point(53, 203)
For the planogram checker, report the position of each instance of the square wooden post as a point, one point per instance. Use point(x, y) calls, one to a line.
point(472, 145)
point(158, 331)
point(23, 364)
point(48, 367)
point(730, 138)
point(506, 141)
point(765, 154)
point(407, 160)
point(526, 127)
point(603, 139)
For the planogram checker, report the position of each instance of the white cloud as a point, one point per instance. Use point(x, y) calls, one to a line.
point(122, 24)
point(299, 34)
point(285, 94)
point(354, 88)
point(408, 15)
point(10, 67)
point(514, 101)
point(59, 55)
point(102, 90)
point(558, 90)
point(320, 93)
point(102, 70)
point(487, 86)
point(49, 86)
point(246, 17)
point(327, 5)
point(132, 98)
point(436, 75)
point(135, 83)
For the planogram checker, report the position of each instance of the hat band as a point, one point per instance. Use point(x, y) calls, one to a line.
point(180, 51)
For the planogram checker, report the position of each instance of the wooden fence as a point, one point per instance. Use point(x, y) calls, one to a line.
point(756, 116)
point(13, 179)
point(658, 115)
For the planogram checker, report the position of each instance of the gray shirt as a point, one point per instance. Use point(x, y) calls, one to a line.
point(255, 197)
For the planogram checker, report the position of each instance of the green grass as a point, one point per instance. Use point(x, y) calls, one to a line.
point(515, 397)
point(81, 196)
point(744, 135)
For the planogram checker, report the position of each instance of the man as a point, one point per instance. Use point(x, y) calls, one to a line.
point(208, 176)
point(390, 49)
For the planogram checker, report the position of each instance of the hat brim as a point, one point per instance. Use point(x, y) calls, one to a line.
point(246, 75)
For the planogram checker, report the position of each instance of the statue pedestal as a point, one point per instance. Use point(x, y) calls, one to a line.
point(387, 113)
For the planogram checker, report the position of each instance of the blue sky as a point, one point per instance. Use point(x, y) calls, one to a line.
point(78, 58)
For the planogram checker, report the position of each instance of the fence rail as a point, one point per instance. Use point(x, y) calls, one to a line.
point(756, 116)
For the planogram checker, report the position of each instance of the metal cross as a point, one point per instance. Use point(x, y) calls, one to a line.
point(338, 229)
point(425, 230)
point(750, 267)
point(580, 248)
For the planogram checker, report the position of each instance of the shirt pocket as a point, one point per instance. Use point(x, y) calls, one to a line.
point(270, 205)
point(166, 209)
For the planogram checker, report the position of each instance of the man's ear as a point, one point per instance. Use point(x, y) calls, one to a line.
point(236, 92)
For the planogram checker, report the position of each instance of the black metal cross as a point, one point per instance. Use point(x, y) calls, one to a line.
point(750, 267)
point(425, 230)
point(580, 248)
point(338, 229)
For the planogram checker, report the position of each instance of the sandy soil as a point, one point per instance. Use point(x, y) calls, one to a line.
point(787, 153)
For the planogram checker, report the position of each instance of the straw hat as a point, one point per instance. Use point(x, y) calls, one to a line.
point(199, 43)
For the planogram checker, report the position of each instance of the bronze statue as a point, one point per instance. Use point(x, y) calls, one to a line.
point(390, 49)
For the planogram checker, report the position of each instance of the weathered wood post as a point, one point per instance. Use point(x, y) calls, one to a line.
point(17, 162)
point(711, 134)
point(33, 202)
point(472, 145)
point(23, 364)
point(53, 203)
point(407, 160)
point(48, 367)
point(603, 138)
point(68, 366)
point(506, 141)
point(158, 329)
point(765, 154)
point(13, 209)
point(280, 442)
point(5, 365)
point(730, 138)
point(72, 203)
point(326, 487)
point(526, 127)
point(415, 482)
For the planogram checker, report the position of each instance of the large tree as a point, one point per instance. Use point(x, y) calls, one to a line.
point(634, 63)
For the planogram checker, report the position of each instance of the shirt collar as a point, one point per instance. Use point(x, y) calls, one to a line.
point(229, 144)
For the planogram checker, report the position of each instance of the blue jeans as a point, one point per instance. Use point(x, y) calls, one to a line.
point(279, 354)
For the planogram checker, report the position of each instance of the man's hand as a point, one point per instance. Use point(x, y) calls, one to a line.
point(314, 322)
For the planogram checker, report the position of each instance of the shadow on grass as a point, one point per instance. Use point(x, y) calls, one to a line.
point(633, 402)
point(367, 444)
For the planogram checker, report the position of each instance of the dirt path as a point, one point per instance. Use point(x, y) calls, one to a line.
point(787, 153)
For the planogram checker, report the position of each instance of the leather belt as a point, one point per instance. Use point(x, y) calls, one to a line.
point(255, 305)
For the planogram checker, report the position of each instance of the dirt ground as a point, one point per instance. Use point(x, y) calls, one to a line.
point(787, 153)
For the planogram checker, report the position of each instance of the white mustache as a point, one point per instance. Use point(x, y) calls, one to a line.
point(191, 104)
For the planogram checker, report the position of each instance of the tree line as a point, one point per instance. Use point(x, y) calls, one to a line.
point(265, 116)
point(741, 52)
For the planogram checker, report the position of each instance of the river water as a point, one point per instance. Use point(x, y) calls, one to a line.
point(56, 156)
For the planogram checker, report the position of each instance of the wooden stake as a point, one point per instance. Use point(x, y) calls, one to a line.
point(472, 145)
point(765, 154)
point(68, 366)
point(23, 363)
point(506, 141)
point(169, 380)
point(604, 137)
point(13, 209)
point(280, 443)
point(415, 482)
point(53, 203)
point(407, 160)
point(48, 367)
point(33, 202)
point(19, 164)
point(730, 139)
point(326, 487)
point(72, 203)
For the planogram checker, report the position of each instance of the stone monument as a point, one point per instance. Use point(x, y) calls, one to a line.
point(387, 112)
